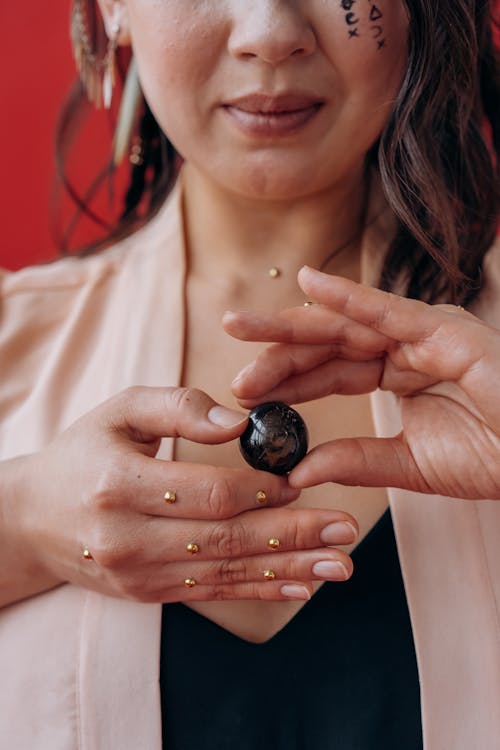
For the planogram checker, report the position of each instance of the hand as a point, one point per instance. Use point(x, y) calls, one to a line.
point(99, 487)
point(441, 361)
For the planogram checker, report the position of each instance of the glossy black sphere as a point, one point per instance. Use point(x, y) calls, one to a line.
point(275, 439)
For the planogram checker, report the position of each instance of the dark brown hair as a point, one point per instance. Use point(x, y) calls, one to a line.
point(438, 155)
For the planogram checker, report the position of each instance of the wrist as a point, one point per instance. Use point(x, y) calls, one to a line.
point(23, 570)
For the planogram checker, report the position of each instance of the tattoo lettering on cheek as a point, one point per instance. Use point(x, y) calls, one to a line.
point(376, 27)
point(352, 21)
point(350, 17)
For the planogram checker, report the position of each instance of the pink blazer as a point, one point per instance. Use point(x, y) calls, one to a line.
point(81, 670)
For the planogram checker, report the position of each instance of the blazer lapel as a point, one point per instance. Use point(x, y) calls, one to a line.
point(119, 656)
point(446, 552)
point(449, 551)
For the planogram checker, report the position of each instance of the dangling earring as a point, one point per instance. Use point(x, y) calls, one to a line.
point(127, 117)
point(97, 70)
point(109, 64)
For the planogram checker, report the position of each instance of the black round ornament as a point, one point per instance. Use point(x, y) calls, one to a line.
point(275, 439)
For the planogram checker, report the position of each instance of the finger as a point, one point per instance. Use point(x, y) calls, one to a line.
point(174, 540)
point(423, 331)
point(183, 490)
point(398, 318)
point(264, 591)
point(281, 361)
point(317, 565)
point(146, 414)
point(294, 375)
point(314, 324)
point(190, 590)
point(363, 462)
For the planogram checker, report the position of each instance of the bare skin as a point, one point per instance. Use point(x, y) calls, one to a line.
point(255, 620)
point(440, 360)
point(106, 494)
point(253, 203)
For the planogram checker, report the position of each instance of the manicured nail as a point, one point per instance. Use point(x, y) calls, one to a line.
point(293, 591)
point(243, 372)
point(223, 417)
point(341, 532)
point(331, 570)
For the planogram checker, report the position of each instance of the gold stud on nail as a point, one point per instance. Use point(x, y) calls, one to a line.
point(192, 548)
point(274, 272)
point(274, 544)
point(261, 496)
point(189, 583)
point(269, 575)
point(170, 497)
point(308, 303)
point(87, 554)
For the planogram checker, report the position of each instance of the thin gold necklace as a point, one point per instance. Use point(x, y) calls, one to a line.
point(275, 272)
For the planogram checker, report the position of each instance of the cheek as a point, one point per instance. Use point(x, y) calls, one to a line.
point(368, 55)
point(370, 45)
point(176, 50)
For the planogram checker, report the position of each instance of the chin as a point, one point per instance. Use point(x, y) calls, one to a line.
point(288, 185)
point(275, 182)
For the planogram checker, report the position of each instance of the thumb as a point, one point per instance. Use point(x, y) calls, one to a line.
point(362, 462)
point(146, 414)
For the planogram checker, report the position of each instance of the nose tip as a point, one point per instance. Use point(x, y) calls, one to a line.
point(272, 35)
point(273, 54)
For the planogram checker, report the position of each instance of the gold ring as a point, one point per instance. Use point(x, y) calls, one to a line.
point(274, 544)
point(192, 548)
point(170, 497)
point(87, 554)
point(189, 583)
point(269, 575)
point(261, 496)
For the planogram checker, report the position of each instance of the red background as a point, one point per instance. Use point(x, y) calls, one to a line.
point(36, 72)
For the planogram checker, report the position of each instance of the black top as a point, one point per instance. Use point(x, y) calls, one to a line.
point(341, 675)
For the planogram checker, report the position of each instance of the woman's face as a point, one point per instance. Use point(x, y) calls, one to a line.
point(271, 98)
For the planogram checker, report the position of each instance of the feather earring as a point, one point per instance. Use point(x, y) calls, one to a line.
point(127, 116)
point(109, 65)
point(95, 56)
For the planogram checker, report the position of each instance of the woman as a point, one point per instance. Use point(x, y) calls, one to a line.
point(278, 110)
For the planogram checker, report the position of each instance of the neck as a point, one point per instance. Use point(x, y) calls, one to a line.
point(248, 237)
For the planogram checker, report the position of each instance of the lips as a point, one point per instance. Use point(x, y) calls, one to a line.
point(272, 115)
point(274, 104)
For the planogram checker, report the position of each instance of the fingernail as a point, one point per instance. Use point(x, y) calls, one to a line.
point(243, 372)
point(223, 417)
point(341, 532)
point(308, 269)
point(293, 591)
point(330, 569)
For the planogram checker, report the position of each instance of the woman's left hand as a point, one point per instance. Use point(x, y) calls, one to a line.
point(442, 362)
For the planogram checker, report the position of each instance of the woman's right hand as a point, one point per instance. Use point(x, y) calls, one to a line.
point(99, 487)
